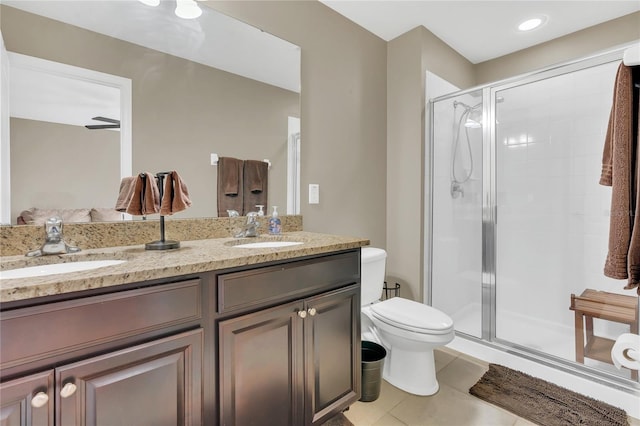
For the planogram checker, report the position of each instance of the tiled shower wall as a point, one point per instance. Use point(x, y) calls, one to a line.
point(553, 216)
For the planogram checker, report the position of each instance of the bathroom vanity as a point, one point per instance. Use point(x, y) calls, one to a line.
point(212, 334)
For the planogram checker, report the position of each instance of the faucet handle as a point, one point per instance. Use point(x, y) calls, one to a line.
point(53, 227)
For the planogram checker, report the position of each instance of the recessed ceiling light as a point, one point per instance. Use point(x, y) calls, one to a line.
point(530, 24)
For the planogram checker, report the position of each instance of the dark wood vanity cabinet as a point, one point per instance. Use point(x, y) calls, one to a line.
point(27, 400)
point(272, 344)
point(157, 383)
point(297, 363)
point(130, 357)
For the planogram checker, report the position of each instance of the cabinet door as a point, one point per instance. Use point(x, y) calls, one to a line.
point(153, 384)
point(332, 346)
point(261, 368)
point(27, 400)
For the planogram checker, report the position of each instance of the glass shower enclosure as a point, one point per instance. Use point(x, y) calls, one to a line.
point(519, 224)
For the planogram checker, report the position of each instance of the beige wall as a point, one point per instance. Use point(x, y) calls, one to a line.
point(343, 108)
point(182, 111)
point(577, 45)
point(406, 131)
point(41, 155)
point(409, 56)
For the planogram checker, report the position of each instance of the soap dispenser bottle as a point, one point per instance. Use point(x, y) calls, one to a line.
point(274, 222)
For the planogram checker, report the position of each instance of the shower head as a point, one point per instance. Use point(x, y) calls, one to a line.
point(474, 120)
point(456, 104)
point(473, 114)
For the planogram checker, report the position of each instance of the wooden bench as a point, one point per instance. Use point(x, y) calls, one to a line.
point(607, 306)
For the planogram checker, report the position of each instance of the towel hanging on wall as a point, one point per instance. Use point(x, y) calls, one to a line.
point(621, 171)
point(230, 172)
point(256, 185)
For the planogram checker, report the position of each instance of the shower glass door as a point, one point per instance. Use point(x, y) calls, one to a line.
point(456, 221)
point(519, 223)
point(553, 216)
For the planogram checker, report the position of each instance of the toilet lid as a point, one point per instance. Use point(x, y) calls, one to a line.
point(414, 316)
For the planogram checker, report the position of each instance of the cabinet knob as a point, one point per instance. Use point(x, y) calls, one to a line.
point(68, 390)
point(302, 314)
point(39, 400)
point(312, 311)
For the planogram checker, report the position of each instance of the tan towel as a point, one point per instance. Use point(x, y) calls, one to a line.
point(132, 201)
point(256, 184)
point(150, 195)
point(620, 171)
point(229, 185)
point(175, 197)
point(125, 196)
point(139, 195)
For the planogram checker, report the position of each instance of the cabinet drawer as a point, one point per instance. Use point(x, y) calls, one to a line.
point(47, 330)
point(245, 289)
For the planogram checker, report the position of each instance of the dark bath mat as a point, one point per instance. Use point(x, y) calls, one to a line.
point(542, 402)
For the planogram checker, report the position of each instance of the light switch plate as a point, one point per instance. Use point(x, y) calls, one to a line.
point(314, 193)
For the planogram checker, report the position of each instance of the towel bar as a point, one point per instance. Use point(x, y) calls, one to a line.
point(215, 158)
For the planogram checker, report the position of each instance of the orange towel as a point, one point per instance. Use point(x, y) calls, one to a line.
point(620, 171)
point(176, 195)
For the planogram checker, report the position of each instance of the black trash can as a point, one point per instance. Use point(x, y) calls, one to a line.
point(373, 356)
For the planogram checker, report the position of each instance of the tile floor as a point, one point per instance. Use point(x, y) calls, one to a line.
point(452, 405)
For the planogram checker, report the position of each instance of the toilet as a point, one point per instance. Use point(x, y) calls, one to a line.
point(408, 330)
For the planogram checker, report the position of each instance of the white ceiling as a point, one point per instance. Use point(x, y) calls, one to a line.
point(480, 30)
point(213, 39)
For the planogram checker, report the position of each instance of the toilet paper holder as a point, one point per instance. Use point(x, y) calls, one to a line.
point(626, 352)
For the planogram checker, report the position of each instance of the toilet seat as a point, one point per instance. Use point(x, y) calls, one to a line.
point(412, 316)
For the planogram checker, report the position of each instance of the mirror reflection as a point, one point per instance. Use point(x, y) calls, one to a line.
point(185, 106)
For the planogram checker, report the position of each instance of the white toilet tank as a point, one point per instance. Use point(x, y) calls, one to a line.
point(372, 266)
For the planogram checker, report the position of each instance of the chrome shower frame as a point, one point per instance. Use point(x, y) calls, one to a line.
point(490, 219)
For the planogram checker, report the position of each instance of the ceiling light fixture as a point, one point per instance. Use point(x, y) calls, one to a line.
point(185, 9)
point(530, 24)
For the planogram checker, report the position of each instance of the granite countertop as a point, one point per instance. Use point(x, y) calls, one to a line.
point(142, 265)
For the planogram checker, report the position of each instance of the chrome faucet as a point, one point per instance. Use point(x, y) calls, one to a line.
point(251, 227)
point(53, 242)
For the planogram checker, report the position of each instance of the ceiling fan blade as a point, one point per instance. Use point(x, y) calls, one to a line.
point(107, 120)
point(102, 126)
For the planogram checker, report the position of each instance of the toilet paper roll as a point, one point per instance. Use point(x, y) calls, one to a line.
point(626, 351)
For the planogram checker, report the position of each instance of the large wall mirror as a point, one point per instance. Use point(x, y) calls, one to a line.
point(199, 86)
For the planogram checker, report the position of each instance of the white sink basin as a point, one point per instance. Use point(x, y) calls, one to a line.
point(57, 268)
point(268, 244)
